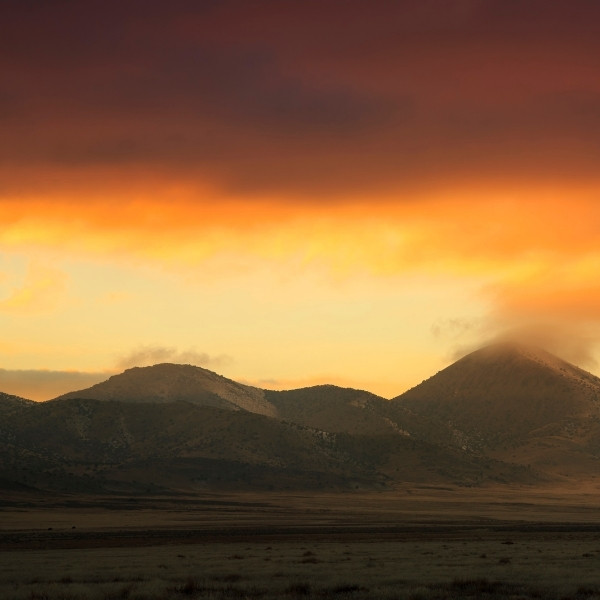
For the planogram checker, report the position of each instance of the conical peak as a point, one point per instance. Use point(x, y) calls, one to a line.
point(516, 354)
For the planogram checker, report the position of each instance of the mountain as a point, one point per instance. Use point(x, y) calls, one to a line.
point(324, 407)
point(517, 403)
point(357, 412)
point(177, 383)
point(332, 408)
point(505, 413)
point(82, 445)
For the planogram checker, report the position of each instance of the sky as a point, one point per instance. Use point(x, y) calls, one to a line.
point(295, 192)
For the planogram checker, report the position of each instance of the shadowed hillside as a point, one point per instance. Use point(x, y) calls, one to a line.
point(10, 406)
point(347, 410)
point(93, 445)
point(108, 445)
point(10, 400)
point(332, 408)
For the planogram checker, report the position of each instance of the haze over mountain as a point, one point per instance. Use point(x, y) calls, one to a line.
point(517, 403)
point(506, 413)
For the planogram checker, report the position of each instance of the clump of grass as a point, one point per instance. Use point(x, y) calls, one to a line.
point(298, 589)
point(190, 587)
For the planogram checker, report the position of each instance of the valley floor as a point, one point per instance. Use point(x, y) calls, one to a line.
point(413, 543)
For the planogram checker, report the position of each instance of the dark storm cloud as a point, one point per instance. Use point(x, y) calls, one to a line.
point(303, 96)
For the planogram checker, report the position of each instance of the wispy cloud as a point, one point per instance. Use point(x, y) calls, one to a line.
point(151, 355)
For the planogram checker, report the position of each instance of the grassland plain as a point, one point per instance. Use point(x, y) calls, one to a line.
point(414, 543)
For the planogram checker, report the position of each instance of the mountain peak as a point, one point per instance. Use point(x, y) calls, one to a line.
point(169, 382)
point(519, 355)
point(506, 389)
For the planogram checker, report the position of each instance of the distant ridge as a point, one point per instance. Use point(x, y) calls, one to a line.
point(10, 404)
point(9, 398)
point(168, 382)
point(506, 413)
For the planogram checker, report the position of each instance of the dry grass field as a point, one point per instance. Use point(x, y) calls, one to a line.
point(413, 543)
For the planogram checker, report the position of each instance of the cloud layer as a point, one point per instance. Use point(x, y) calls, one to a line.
point(308, 99)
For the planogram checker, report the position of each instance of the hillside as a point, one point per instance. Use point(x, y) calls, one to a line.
point(332, 408)
point(357, 412)
point(10, 400)
point(108, 446)
point(324, 407)
point(517, 403)
point(10, 405)
point(176, 383)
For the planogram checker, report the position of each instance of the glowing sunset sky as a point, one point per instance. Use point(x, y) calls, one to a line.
point(294, 192)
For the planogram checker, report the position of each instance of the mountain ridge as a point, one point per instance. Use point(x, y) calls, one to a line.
point(505, 412)
point(168, 382)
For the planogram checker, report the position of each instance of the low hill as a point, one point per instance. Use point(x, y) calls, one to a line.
point(347, 410)
point(332, 408)
point(177, 383)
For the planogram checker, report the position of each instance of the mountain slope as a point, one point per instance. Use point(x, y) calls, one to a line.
point(324, 407)
point(10, 400)
point(332, 408)
point(11, 405)
point(104, 445)
point(357, 412)
point(516, 403)
point(108, 446)
point(177, 383)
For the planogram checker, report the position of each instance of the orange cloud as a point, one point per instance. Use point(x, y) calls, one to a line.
point(467, 229)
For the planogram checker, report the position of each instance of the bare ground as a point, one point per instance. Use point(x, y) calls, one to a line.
point(413, 543)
